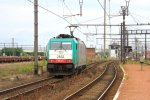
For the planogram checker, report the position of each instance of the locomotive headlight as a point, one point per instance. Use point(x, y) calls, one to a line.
point(69, 61)
point(52, 60)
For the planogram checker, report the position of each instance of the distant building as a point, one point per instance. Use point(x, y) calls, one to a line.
point(114, 50)
point(90, 52)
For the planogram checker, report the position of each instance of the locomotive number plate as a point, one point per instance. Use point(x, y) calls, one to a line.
point(60, 56)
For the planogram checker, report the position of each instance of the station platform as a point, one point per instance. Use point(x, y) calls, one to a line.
point(136, 83)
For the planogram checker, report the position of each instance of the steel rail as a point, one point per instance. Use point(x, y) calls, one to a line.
point(94, 64)
point(28, 84)
point(29, 91)
point(13, 89)
point(101, 96)
point(88, 85)
point(23, 86)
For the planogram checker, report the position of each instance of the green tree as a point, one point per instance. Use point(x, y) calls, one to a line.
point(12, 51)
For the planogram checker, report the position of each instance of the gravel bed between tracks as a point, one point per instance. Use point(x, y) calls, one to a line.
point(71, 85)
point(93, 91)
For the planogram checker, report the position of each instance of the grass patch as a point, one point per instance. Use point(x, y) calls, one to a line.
point(43, 63)
point(132, 62)
point(4, 73)
point(21, 68)
point(90, 60)
point(25, 69)
point(7, 72)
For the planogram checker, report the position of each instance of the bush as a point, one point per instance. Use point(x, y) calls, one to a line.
point(12, 51)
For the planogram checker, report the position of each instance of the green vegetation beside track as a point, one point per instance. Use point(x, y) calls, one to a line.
point(8, 70)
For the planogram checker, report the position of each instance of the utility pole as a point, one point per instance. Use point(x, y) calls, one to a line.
point(35, 37)
point(104, 26)
point(136, 41)
point(123, 31)
point(13, 46)
point(145, 47)
point(125, 37)
point(121, 44)
point(4, 50)
point(80, 3)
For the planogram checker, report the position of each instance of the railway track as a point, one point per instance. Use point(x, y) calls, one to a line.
point(18, 91)
point(98, 87)
point(90, 66)
point(25, 89)
point(35, 88)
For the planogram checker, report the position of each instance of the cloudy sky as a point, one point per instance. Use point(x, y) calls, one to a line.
point(17, 18)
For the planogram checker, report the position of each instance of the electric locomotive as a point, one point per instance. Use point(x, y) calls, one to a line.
point(65, 56)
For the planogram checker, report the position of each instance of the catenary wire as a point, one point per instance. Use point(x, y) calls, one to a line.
point(50, 11)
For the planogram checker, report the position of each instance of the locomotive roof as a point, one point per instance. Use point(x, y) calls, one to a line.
point(65, 39)
point(66, 36)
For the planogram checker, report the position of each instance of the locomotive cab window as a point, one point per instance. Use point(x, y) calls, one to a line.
point(66, 45)
point(55, 45)
point(61, 46)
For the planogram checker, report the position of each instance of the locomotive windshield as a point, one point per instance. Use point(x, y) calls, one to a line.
point(61, 46)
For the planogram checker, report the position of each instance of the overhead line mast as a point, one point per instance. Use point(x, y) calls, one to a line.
point(80, 3)
point(35, 37)
point(104, 26)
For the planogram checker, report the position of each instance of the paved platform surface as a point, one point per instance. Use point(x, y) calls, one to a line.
point(136, 85)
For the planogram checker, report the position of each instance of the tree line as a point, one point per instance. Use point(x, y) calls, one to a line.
point(17, 52)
